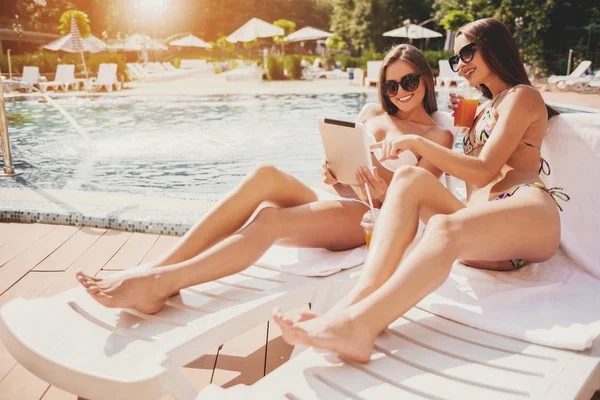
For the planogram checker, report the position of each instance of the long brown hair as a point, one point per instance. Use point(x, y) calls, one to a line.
point(500, 53)
point(412, 55)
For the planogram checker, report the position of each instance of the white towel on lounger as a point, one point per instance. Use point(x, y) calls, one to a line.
point(311, 262)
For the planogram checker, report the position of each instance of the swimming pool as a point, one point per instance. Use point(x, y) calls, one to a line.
point(183, 146)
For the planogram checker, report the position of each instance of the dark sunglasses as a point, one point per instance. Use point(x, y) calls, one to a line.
point(409, 82)
point(466, 54)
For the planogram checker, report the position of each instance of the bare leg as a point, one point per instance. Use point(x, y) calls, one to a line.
point(352, 331)
point(265, 184)
point(330, 224)
point(414, 193)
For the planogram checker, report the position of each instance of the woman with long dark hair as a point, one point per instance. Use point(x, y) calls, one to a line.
point(510, 219)
point(223, 243)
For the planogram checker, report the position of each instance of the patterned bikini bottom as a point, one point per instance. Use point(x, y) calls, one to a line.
point(556, 193)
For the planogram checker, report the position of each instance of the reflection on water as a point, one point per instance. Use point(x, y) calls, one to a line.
point(174, 146)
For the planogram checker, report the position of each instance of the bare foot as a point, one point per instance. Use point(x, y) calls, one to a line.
point(336, 333)
point(140, 291)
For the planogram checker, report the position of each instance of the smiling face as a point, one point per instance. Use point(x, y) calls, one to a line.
point(405, 101)
point(475, 71)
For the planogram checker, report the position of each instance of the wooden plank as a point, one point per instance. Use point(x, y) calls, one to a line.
point(164, 243)
point(242, 359)
point(7, 362)
point(22, 384)
point(133, 252)
point(100, 252)
point(71, 250)
point(278, 350)
point(8, 231)
point(32, 285)
point(17, 244)
point(20, 265)
point(54, 393)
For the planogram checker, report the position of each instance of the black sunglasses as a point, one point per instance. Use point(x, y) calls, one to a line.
point(409, 82)
point(466, 54)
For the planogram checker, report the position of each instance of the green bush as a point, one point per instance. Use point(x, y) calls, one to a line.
point(293, 66)
point(46, 62)
point(275, 68)
point(433, 56)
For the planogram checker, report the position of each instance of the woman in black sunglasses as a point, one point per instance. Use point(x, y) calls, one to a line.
point(222, 243)
point(510, 217)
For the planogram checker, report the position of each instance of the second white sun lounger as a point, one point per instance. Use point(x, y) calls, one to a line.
point(423, 356)
point(64, 79)
point(76, 344)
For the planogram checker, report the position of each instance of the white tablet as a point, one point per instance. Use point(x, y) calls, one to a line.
point(346, 146)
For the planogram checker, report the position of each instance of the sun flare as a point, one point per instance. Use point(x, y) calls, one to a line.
point(151, 6)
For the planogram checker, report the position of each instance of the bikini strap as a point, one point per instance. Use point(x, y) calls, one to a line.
point(557, 192)
point(544, 167)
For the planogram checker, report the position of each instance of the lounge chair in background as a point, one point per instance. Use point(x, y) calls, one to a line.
point(107, 78)
point(373, 68)
point(31, 76)
point(560, 81)
point(446, 76)
point(64, 79)
point(582, 84)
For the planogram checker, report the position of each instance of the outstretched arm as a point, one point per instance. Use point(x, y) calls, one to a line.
point(522, 107)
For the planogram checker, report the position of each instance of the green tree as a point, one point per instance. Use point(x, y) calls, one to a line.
point(224, 45)
point(455, 19)
point(336, 44)
point(42, 18)
point(288, 28)
point(81, 19)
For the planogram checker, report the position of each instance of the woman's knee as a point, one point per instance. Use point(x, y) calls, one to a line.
point(408, 179)
point(265, 173)
point(444, 228)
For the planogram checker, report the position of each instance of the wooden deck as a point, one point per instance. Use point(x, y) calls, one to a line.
point(41, 260)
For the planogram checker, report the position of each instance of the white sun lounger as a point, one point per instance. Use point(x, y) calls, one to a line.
point(560, 81)
point(446, 76)
point(107, 78)
point(64, 79)
point(373, 68)
point(423, 356)
point(76, 344)
point(31, 76)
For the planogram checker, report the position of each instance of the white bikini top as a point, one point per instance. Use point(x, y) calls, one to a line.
point(407, 157)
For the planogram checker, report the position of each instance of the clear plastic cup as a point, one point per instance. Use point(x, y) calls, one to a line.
point(466, 109)
point(368, 224)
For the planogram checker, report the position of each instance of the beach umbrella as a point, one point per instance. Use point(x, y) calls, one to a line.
point(449, 43)
point(253, 29)
point(190, 41)
point(307, 33)
point(414, 32)
point(74, 43)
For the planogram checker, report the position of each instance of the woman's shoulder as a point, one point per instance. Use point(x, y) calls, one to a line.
point(369, 110)
point(524, 99)
point(524, 93)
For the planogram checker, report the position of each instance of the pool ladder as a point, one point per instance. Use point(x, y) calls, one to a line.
point(9, 170)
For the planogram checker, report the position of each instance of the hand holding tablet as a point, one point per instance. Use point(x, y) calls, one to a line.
point(348, 148)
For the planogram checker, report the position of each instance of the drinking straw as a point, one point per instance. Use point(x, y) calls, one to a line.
point(371, 202)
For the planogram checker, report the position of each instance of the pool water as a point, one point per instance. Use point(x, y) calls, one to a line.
point(184, 146)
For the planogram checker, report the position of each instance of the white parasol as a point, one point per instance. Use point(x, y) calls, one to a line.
point(253, 29)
